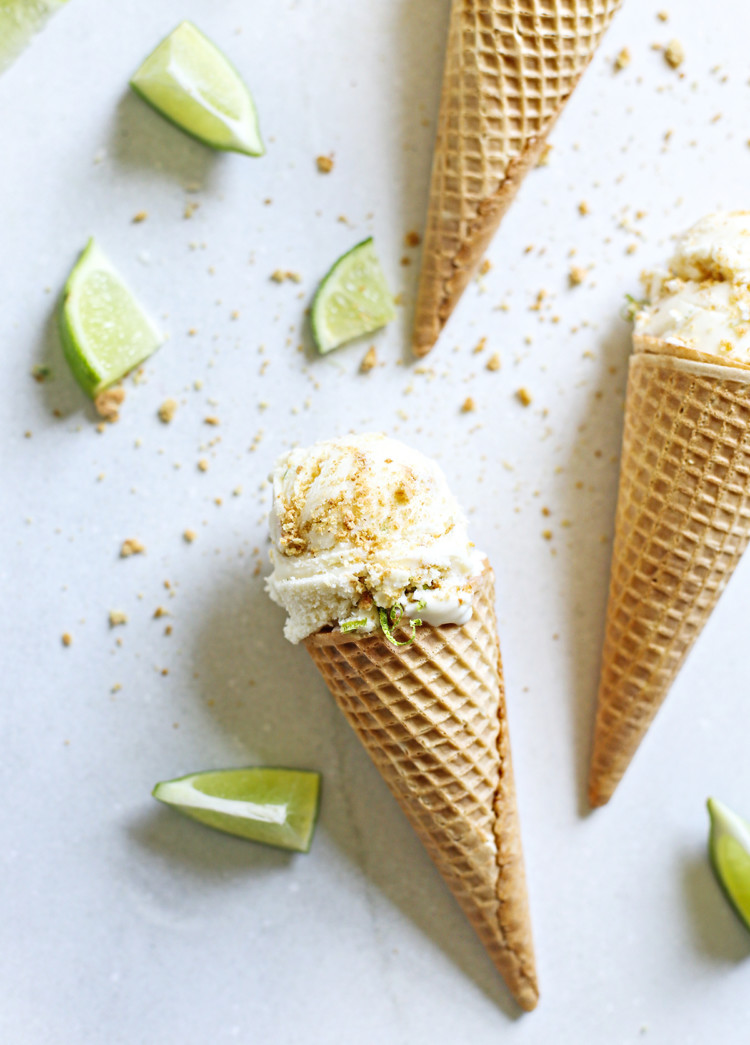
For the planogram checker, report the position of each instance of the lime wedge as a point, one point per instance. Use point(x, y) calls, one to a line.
point(352, 300)
point(20, 20)
point(188, 80)
point(104, 331)
point(274, 806)
point(729, 849)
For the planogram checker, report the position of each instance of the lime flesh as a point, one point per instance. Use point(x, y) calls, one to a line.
point(352, 300)
point(277, 807)
point(104, 331)
point(20, 20)
point(189, 81)
point(729, 850)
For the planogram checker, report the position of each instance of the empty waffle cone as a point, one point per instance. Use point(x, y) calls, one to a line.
point(510, 67)
point(683, 521)
point(432, 718)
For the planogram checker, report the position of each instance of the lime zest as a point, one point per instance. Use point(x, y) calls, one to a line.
point(351, 625)
point(634, 305)
point(729, 852)
point(391, 620)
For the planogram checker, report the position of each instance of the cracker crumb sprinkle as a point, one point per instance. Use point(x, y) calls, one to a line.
point(167, 410)
point(325, 164)
point(674, 54)
point(131, 546)
point(523, 396)
point(107, 404)
point(369, 361)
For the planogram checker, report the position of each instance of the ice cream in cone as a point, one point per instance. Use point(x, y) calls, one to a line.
point(683, 509)
point(510, 67)
point(373, 564)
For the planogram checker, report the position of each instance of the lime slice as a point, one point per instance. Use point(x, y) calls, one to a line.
point(274, 806)
point(20, 20)
point(188, 80)
point(729, 849)
point(104, 330)
point(352, 300)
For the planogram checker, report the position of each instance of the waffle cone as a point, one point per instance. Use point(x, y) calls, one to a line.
point(432, 718)
point(510, 67)
point(683, 521)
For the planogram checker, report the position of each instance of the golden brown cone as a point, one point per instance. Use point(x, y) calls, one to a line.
point(683, 521)
point(510, 67)
point(432, 718)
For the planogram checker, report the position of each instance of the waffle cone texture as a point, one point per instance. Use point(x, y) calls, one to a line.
point(510, 67)
point(432, 718)
point(682, 523)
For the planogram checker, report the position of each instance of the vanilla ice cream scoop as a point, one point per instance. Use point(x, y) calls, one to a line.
point(364, 523)
point(702, 302)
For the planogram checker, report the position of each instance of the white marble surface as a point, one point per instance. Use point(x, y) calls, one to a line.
point(123, 923)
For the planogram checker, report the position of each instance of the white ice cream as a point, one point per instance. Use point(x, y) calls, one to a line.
point(703, 301)
point(362, 523)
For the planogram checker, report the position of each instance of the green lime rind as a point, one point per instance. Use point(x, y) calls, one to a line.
point(274, 806)
point(103, 329)
point(352, 300)
point(729, 852)
point(191, 83)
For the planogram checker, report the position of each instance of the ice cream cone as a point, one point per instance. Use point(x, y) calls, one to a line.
point(432, 718)
point(510, 67)
point(683, 521)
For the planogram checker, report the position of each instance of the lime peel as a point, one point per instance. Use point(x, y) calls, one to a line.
point(103, 329)
point(190, 82)
point(274, 806)
point(729, 852)
point(352, 300)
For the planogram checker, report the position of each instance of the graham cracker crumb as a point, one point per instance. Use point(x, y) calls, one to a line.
point(211, 420)
point(543, 160)
point(325, 164)
point(493, 363)
point(117, 617)
point(131, 546)
point(674, 54)
point(523, 396)
point(167, 410)
point(139, 217)
point(412, 239)
point(160, 612)
point(547, 534)
point(40, 372)
point(67, 638)
point(280, 275)
point(107, 404)
point(190, 208)
point(369, 361)
point(189, 536)
point(468, 406)
point(622, 61)
point(662, 16)
point(203, 465)
point(485, 267)
point(577, 275)
point(583, 208)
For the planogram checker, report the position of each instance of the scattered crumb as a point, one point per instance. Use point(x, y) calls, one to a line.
point(116, 688)
point(674, 54)
point(369, 361)
point(412, 239)
point(67, 638)
point(107, 404)
point(117, 617)
point(131, 546)
point(236, 491)
point(40, 373)
point(160, 612)
point(468, 406)
point(203, 465)
point(189, 536)
point(543, 160)
point(279, 276)
point(662, 16)
point(485, 267)
point(622, 61)
point(190, 208)
point(523, 396)
point(139, 217)
point(547, 534)
point(583, 208)
point(325, 164)
point(211, 420)
point(480, 346)
point(493, 363)
point(577, 275)
point(167, 410)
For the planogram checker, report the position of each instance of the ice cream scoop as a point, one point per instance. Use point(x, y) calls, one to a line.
point(702, 302)
point(363, 523)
